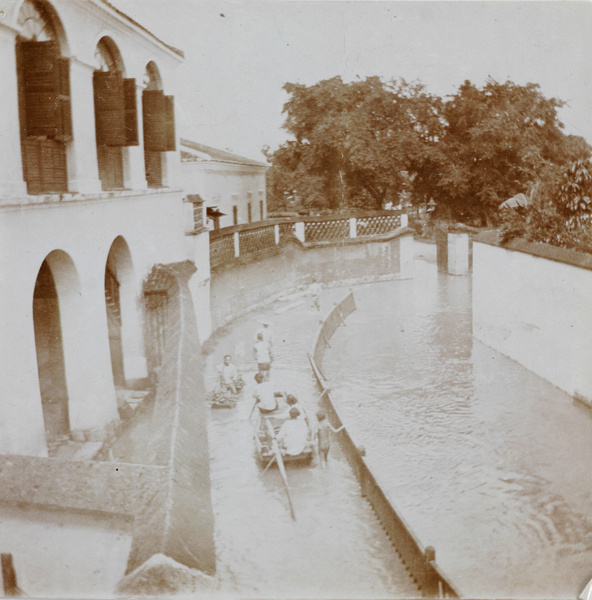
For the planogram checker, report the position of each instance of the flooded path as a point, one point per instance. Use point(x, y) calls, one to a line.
point(336, 548)
point(488, 463)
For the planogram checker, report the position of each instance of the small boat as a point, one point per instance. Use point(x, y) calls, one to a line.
point(267, 427)
point(225, 398)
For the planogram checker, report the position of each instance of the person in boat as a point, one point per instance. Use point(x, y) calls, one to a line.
point(292, 402)
point(230, 380)
point(266, 332)
point(293, 434)
point(263, 356)
point(264, 395)
point(323, 436)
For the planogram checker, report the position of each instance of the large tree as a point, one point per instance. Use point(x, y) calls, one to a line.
point(363, 143)
point(497, 141)
point(351, 142)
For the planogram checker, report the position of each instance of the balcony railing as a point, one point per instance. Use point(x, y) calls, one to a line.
point(256, 239)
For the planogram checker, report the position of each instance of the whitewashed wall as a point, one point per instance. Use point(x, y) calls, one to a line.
point(226, 185)
point(537, 311)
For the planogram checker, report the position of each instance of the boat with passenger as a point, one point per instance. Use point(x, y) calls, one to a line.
point(273, 434)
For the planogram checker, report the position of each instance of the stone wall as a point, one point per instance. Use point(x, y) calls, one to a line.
point(531, 302)
point(237, 290)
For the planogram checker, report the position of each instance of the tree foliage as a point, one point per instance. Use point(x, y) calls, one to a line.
point(352, 142)
point(365, 143)
point(560, 210)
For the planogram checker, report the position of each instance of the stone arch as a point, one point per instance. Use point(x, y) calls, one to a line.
point(38, 20)
point(108, 57)
point(152, 78)
point(57, 319)
point(124, 322)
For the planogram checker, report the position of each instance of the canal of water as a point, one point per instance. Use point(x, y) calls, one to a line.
point(336, 547)
point(488, 463)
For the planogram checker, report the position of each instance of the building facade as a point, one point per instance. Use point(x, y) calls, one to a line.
point(231, 186)
point(89, 203)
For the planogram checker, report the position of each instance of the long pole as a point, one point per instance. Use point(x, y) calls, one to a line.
point(280, 461)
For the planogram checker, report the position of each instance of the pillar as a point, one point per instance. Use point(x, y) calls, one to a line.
point(11, 167)
point(83, 169)
point(135, 366)
point(87, 356)
point(134, 168)
point(22, 429)
point(353, 232)
point(236, 239)
point(299, 231)
point(458, 253)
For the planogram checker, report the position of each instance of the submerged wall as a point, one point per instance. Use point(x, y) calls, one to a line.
point(241, 288)
point(531, 302)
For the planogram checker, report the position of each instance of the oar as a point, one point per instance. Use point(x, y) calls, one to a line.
point(269, 464)
point(251, 413)
point(280, 461)
point(324, 392)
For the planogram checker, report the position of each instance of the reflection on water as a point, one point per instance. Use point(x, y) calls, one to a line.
point(487, 462)
point(335, 548)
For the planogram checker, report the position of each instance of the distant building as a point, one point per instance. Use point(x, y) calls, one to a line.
point(88, 206)
point(231, 186)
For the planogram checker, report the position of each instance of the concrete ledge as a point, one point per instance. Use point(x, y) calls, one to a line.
point(563, 255)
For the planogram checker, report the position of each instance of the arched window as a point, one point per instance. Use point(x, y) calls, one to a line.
point(159, 124)
point(116, 120)
point(44, 100)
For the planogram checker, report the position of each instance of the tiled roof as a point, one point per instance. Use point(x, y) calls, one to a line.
point(214, 154)
point(128, 18)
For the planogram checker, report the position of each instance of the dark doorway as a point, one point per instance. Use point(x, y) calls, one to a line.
point(50, 354)
point(114, 326)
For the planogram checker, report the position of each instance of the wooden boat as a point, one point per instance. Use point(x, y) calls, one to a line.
point(265, 442)
point(224, 398)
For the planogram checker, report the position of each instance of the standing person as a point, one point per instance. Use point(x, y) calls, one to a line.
point(323, 435)
point(266, 331)
point(263, 394)
point(262, 354)
point(230, 380)
point(315, 291)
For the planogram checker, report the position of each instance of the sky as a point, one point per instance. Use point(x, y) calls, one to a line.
point(239, 54)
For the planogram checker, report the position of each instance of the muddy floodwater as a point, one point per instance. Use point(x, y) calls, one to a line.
point(486, 461)
point(489, 463)
point(336, 547)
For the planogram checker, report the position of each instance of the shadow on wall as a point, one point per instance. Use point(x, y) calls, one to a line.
point(241, 288)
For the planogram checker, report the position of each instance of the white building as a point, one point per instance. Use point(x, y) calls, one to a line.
point(88, 204)
point(232, 187)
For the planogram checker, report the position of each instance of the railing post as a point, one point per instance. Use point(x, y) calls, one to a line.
point(236, 244)
point(299, 231)
point(353, 232)
point(276, 234)
point(404, 220)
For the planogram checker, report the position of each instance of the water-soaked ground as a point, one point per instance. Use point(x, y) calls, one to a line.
point(488, 462)
point(336, 547)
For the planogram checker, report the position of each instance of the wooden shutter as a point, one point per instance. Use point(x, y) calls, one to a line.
point(131, 112)
point(65, 105)
point(109, 108)
point(44, 165)
point(41, 87)
point(170, 123)
point(154, 112)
